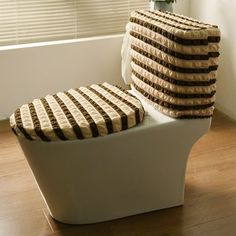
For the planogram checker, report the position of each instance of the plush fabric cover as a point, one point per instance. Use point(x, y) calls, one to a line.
point(80, 113)
point(171, 60)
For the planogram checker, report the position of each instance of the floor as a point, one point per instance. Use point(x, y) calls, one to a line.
point(210, 195)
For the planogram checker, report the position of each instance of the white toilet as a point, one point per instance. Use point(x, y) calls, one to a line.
point(134, 171)
point(172, 70)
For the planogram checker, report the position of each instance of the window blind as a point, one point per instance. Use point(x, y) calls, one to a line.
point(27, 21)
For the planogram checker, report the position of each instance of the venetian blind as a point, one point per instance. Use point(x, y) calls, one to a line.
point(27, 21)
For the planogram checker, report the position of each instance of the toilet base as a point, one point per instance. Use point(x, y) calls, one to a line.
point(113, 219)
point(135, 171)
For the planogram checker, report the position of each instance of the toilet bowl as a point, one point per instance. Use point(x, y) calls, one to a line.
point(135, 171)
point(172, 71)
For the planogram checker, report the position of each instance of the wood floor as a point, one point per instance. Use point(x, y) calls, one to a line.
point(210, 195)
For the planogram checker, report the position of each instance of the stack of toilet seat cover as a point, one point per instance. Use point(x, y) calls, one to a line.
point(80, 113)
point(171, 61)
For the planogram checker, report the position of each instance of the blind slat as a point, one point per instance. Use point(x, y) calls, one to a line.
point(28, 21)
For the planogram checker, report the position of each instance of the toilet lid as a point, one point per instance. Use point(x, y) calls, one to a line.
point(79, 113)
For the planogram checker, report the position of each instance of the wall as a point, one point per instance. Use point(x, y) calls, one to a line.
point(30, 72)
point(222, 13)
point(182, 7)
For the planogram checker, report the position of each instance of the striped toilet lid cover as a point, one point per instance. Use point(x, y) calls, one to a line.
point(80, 113)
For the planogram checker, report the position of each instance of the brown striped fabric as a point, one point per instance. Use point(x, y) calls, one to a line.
point(174, 62)
point(79, 113)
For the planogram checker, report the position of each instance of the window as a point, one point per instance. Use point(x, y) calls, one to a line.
point(27, 21)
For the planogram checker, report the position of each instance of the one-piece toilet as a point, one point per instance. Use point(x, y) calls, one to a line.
point(88, 171)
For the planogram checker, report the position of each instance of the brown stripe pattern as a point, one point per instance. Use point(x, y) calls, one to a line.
point(191, 37)
point(169, 105)
point(171, 93)
point(124, 120)
point(106, 117)
point(173, 67)
point(79, 113)
point(174, 62)
point(20, 126)
point(86, 114)
point(171, 52)
point(178, 20)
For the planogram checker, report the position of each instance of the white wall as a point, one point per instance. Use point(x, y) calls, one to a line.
point(222, 13)
point(32, 72)
point(182, 7)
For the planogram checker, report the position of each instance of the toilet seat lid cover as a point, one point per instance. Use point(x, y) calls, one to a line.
point(80, 113)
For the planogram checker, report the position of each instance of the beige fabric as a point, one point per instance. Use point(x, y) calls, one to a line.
point(174, 61)
point(171, 59)
point(164, 41)
point(170, 99)
point(80, 113)
point(175, 88)
point(170, 73)
point(175, 113)
point(126, 58)
point(195, 33)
